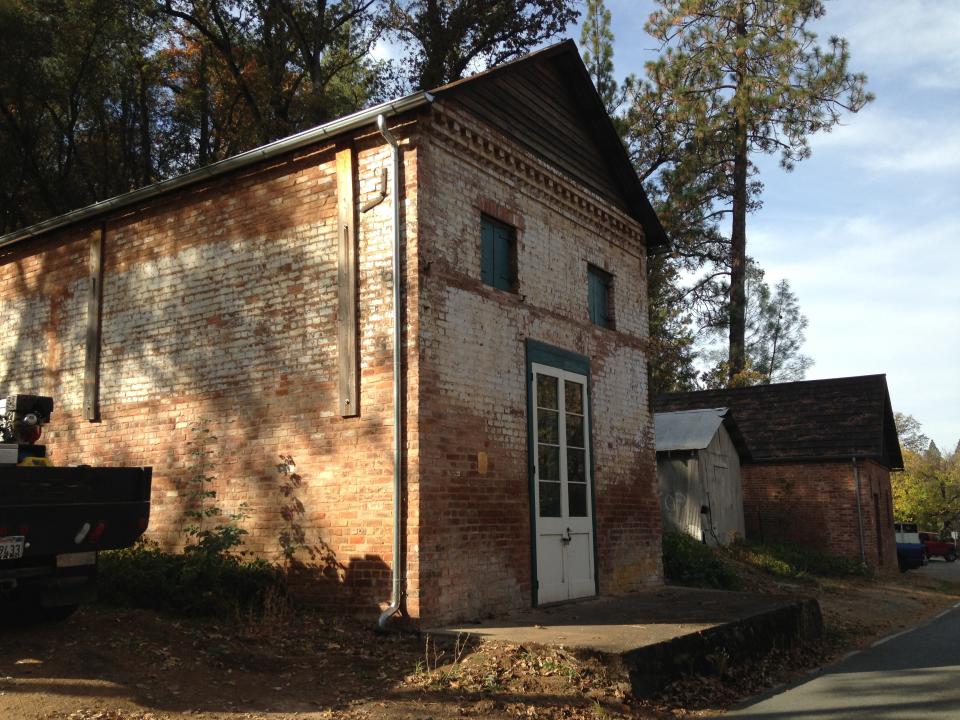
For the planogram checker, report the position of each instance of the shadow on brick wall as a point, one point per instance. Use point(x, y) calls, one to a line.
point(217, 307)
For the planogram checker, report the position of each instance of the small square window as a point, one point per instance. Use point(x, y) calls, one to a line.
point(600, 296)
point(498, 254)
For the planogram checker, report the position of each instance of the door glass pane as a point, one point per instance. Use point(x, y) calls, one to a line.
point(577, 498)
point(549, 499)
point(547, 392)
point(548, 460)
point(576, 466)
point(574, 397)
point(575, 430)
point(548, 426)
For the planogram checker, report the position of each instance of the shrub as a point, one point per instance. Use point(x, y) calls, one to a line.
point(191, 584)
point(691, 563)
point(795, 561)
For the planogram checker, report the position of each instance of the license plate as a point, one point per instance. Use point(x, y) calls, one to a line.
point(76, 559)
point(11, 547)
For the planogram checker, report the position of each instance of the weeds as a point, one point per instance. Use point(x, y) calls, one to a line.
point(210, 531)
point(691, 563)
point(210, 578)
point(794, 561)
point(192, 584)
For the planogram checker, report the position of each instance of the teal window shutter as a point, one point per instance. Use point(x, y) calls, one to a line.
point(498, 250)
point(599, 284)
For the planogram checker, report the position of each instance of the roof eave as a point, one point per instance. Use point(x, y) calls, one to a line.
point(222, 167)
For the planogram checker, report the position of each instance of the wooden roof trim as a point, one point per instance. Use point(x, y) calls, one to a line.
point(594, 114)
point(452, 127)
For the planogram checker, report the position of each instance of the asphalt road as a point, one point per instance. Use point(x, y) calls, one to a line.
point(913, 676)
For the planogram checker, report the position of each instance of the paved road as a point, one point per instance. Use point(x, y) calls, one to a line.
point(913, 676)
point(940, 569)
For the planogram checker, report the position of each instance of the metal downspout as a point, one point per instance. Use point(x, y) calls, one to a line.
point(395, 594)
point(856, 479)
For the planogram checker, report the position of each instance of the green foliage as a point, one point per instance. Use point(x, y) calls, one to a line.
point(794, 561)
point(210, 531)
point(774, 340)
point(198, 584)
point(689, 562)
point(596, 41)
point(671, 350)
point(733, 79)
point(293, 538)
point(927, 492)
point(272, 67)
point(210, 577)
point(444, 39)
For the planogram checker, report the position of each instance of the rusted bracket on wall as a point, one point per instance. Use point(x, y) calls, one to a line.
point(91, 374)
point(347, 316)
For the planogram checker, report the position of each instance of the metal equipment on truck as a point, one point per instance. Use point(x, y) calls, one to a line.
point(54, 520)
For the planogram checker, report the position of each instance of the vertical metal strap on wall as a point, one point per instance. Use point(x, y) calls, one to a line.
point(91, 376)
point(347, 286)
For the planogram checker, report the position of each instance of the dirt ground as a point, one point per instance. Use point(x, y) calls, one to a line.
point(110, 664)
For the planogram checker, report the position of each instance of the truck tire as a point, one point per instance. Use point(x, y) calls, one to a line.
point(951, 556)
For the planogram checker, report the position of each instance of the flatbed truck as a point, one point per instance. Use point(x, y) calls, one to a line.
point(55, 520)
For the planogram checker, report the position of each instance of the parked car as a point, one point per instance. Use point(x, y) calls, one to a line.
point(910, 552)
point(934, 546)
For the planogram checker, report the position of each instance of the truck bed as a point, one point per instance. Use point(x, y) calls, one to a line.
point(73, 509)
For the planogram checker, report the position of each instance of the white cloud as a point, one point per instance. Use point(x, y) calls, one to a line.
point(917, 40)
point(882, 138)
point(882, 297)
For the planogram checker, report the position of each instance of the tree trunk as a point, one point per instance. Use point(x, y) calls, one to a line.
point(738, 257)
point(203, 145)
point(146, 145)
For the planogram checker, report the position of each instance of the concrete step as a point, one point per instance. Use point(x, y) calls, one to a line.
point(651, 638)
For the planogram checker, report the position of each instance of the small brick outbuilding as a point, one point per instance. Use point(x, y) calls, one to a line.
point(821, 456)
point(254, 297)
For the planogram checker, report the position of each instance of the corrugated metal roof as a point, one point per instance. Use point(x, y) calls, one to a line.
point(687, 429)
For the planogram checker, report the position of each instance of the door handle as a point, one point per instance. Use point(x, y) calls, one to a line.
point(565, 537)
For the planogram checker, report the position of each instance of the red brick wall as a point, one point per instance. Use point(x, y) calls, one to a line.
point(475, 552)
point(220, 304)
point(815, 504)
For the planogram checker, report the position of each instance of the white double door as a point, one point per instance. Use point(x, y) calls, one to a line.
point(562, 485)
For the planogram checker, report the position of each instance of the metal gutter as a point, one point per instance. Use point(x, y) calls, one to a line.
point(396, 574)
point(237, 162)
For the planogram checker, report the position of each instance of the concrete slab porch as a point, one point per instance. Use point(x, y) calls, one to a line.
point(652, 637)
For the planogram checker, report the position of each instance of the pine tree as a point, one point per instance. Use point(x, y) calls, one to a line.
point(596, 43)
point(740, 77)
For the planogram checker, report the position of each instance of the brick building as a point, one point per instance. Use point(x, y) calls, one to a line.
point(821, 456)
point(254, 297)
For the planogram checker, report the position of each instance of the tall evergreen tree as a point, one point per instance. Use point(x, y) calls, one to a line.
point(596, 46)
point(740, 77)
point(774, 336)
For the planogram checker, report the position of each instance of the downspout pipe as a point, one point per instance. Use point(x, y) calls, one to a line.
point(856, 479)
point(396, 591)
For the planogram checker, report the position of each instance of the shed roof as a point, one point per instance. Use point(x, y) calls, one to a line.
point(835, 419)
point(695, 430)
point(559, 64)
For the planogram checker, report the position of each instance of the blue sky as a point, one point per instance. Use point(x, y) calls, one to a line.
point(867, 230)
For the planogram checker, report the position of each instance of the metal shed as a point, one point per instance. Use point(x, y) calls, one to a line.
point(698, 467)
